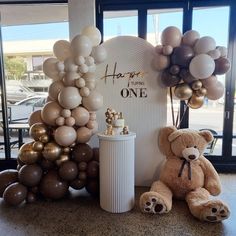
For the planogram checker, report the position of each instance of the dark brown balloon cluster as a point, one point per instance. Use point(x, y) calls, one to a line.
point(189, 64)
point(40, 177)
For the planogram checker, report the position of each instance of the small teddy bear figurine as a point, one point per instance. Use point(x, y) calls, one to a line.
point(125, 130)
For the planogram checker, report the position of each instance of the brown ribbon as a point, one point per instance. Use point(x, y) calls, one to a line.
point(182, 168)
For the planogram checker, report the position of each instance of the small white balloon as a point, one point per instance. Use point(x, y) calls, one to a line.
point(99, 54)
point(84, 92)
point(66, 113)
point(60, 66)
point(204, 45)
point(223, 51)
point(83, 68)
point(81, 45)
point(60, 121)
point(93, 33)
point(79, 60)
point(80, 83)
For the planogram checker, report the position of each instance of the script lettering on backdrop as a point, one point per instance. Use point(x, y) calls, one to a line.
point(135, 81)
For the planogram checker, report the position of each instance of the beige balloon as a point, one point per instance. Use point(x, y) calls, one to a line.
point(35, 117)
point(65, 135)
point(69, 97)
point(93, 33)
point(51, 111)
point(190, 37)
point(60, 121)
point(70, 121)
point(171, 36)
point(61, 50)
point(84, 92)
point(160, 62)
point(90, 84)
point(50, 68)
point(52, 151)
point(183, 91)
point(196, 102)
point(54, 89)
point(83, 135)
point(81, 45)
point(66, 113)
point(93, 102)
point(81, 116)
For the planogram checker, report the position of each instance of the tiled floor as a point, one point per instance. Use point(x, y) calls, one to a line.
point(81, 215)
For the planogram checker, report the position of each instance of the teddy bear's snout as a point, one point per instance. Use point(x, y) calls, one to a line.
point(191, 153)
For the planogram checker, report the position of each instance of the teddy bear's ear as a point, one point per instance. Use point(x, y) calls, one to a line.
point(164, 144)
point(174, 135)
point(207, 135)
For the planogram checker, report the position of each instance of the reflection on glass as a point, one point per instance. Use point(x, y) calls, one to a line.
point(27, 42)
point(211, 22)
point(117, 23)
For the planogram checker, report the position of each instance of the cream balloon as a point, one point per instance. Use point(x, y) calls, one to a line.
point(89, 61)
point(81, 116)
point(50, 68)
point(99, 54)
point(54, 89)
point(171, 36)
point(84, 92)
point(204, 45)
point(202, 66)
point(190, 37)
point(93, 33)
point(69, 65)
point(83, 135)
point(93, 102)
point(70, 121)
point(35, 117)
point(80, 83)
point(65, 135)
point(60, 121)
point(91, 84)
point(66, 113)
point(89, 76)
point(51, 111)
point(61, 50)
point(69, 97)
point(81, 45)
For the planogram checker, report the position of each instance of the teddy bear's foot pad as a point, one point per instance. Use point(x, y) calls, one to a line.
point(215, 211)
point(153, 204)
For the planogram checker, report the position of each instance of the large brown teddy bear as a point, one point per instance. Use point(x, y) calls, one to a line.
point(188, 175)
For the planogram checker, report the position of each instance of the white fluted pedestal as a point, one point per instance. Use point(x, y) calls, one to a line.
point(116, 160)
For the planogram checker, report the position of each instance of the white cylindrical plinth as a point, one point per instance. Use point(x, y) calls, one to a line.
point(116, 160)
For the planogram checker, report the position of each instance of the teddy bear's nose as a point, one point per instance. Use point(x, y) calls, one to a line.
point(191, 157)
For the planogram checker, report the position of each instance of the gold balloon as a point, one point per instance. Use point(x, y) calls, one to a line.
point(183, 91)
point(38, 146)
point(66, 150)
point(196, 85)
point(196, 102)
point(27, 154)
point(52, 151)
point(201, 92)
point(44, 138)
point(37, 130)
point(63, 158)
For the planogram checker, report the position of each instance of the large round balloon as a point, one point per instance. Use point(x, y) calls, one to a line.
point(52, 186)
point(81, 116)
point(215, 92)
point(61, 49)
point(54, 89)
point(30, 175)
point(50, 68)
point(37, 130)
point(82, 153)
point(35, 117)
point(83, 135)
point(222, 66)
point(68, 170)
point(93, 102)
point(210, 81)
point(15, 194)
point(171, 36)
point(65, 135)
point(202, 66)
point(27, 154)
point(93, 33)
point(51, 111)
point(7, 177)
point(51, 151)
point(99, 54)
point(69, 97)
point(204, 45)
point(81, 45)
point(182, 55)
point(190, 37)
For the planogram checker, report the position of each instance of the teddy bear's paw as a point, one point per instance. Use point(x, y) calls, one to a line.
point(215, 211)
point(152, 203)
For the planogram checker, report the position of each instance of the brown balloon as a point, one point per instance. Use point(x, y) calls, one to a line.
point(27, 154)
point(52, 151)
point(196, 102)
point(169, 80)
point(82, 152)
point(82, 175)
point(46, 164)
point(78, 184)
point(182, 55)
point(196, 85)
point(222, 65)
point(7, 177)
point(15, 194)
point(37, 130)
point(52, 187)
point(31, 197)
point(93, 169)
point(92, 187)
point(209, 82)
point(174, 69)
point(34, 189)
point(96, 154)
point(188, 78)
point(30, 175)
point(183, 91)
point(82, 166)
point(68, 170)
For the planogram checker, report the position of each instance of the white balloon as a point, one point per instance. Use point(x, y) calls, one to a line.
point(89, 61)
point(93, 102)
point(81, 45)
point(83, 68)
point(223, 51)
point(69, 97)
point(93, 33)
point(99, 54)
point(61, 49)
point(79, 60)
point(84, 92)
point(80, 83)
point(202, 66)
point(204, 45)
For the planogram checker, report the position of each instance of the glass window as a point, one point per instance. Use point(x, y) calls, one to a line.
point(117, 23)
point(211, 22)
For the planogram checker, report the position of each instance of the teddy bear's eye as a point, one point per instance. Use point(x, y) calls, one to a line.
point(195, 146)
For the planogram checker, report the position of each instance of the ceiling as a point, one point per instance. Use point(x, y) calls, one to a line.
point(33, 14)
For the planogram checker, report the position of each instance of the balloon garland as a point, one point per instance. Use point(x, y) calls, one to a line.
point(189, 65)
point(59, 157)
